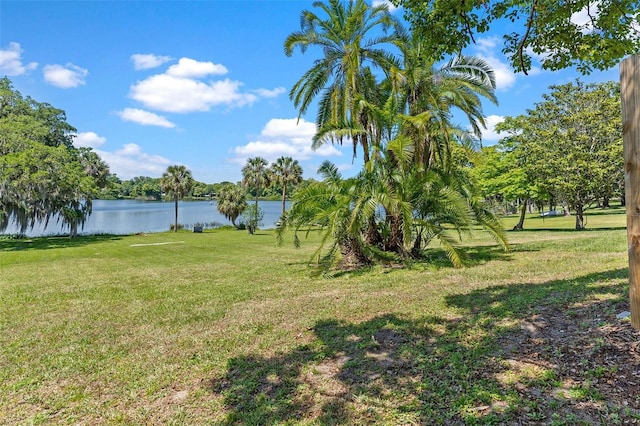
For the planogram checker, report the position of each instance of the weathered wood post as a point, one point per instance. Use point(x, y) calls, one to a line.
point(630, 94)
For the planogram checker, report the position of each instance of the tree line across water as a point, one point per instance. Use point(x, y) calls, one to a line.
point(149, 188)
point(377, 86)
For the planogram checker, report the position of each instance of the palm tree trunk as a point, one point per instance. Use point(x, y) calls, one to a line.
point(372, 235)
point(284, 197)
point(352, 255)
point(395, 242)
point(175, 224)
point(417, 245)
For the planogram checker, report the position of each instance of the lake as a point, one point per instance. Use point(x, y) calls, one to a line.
point(122, 217)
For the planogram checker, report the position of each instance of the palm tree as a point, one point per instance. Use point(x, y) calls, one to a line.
point(286, 171)
point(350, 40)
point(333, 205)
point(94, 166)
point(177, 182)
point(232, 201)
point(459, 84)
point(254, 175)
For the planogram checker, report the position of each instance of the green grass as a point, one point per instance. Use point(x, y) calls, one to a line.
point(227, 328)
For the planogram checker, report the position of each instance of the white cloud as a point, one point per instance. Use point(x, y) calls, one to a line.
point(145, 61)
point(267, 149)
point(172, 94)
point(490, 134)
point(266, 93)
point(284, 137)
point(88, 140)
point(583, 18)
point(190, 68)
point(180, 89)
point(11, 61)
point(131, 161)
point(65, 77)
point(145, 118)
point(390, 5)
point(289, 128)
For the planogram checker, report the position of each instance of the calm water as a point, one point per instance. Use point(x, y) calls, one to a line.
point(121, 217)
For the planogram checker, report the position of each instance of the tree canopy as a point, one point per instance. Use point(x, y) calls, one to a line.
point(570, 144)
point(586, 34)
point(42, 175)
point(255, 176)
point(232, 201)
point(285, 171)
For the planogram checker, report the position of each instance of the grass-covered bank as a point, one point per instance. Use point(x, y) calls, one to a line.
point(224, 327)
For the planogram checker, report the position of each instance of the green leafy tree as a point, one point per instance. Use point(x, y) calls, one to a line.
point(41, 174)
point(142, 187)
point(255, 176)
point(232, 201)
point(252, 217)
point(608, 34)
point(94, 166)
point(416, 120)
point(286, 171)
point(572, 143)
point(199, 190)
point(501, 173)
point(113, 189)
point(421, 205)
point(176, 182)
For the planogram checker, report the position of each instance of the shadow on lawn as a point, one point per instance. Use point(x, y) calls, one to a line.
point(47, 243)
point(586, 230)
point(392, 370)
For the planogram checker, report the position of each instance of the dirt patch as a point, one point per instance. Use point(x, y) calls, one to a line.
point(579, 365)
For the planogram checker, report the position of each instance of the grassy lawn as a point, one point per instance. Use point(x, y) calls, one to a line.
point(227, 328)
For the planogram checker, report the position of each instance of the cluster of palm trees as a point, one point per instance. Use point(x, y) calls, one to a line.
point(377, 87)
point(177, 181)
point(257, 175)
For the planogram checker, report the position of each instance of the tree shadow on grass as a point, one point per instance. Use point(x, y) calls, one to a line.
point(430, 369)
point(473, 256)
point(586, 230)
point(47, 243)
point(505, 301)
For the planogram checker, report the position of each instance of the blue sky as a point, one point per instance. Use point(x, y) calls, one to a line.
point(204, 84)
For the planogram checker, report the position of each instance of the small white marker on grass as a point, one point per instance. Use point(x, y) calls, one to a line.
point(156, 244)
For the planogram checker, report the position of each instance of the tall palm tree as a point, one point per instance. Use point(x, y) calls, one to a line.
point(350, 38)
point(254, 174)
point(176, 182)
point(460, 84)
point(286, 171)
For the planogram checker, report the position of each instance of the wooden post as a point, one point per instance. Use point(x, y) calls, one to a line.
point(630, 94)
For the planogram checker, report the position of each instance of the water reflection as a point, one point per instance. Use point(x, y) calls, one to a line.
point(121, 217)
